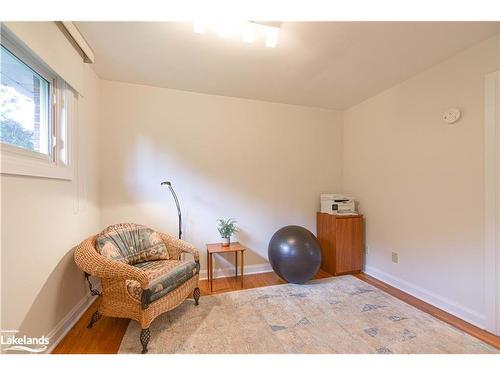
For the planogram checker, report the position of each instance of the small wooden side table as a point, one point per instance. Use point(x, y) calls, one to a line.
point(217, 248)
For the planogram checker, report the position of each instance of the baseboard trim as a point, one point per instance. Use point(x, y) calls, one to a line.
point(63, 327)
point(229, 271)
point(462, 312)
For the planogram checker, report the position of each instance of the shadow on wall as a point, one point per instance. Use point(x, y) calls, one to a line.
point(260, 209)
point(64, 289)
point(257, 162)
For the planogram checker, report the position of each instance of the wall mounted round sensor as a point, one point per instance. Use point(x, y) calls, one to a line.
point(451, 115)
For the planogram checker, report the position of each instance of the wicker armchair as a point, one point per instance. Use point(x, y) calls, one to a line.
point(143, 284)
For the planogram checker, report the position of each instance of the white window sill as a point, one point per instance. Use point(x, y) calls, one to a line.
point(14, 163)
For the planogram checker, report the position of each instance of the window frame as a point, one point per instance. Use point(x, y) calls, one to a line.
point(20, 161)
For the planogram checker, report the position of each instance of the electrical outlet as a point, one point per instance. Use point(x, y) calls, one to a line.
point(395, 257)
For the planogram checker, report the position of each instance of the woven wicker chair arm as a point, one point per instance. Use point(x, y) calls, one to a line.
point(89, 260)
point(178, 246)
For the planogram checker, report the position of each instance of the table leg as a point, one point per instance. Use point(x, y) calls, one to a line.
point(209, 269)
point(242, 262)
point(211, 274)
point(236, 264)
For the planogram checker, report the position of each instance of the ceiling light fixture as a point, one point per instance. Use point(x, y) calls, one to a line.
point(248, 31)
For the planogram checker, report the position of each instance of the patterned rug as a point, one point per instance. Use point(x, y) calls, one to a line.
point(333, 315)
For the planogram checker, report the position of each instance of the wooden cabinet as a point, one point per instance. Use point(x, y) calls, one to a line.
point(342, 244)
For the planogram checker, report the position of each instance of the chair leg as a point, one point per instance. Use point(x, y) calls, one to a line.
point(196, 295)
point(95, 317)
point(145, 336)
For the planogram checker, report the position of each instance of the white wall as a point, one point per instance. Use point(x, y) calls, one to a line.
point(421, 183)
point(263, 163)
point(42, 219)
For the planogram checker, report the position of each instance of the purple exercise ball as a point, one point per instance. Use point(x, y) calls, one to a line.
point(295, 254)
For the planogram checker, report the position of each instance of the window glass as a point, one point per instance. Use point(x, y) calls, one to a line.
point(24, 105)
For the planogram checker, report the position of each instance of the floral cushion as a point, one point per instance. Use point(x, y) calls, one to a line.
point(131, 244)
point(164, 276)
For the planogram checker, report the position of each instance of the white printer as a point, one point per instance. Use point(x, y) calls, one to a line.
point(338, 204)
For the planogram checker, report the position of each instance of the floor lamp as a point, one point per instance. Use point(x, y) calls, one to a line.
point(176, 203)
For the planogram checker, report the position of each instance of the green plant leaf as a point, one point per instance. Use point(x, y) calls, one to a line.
point(227, 227)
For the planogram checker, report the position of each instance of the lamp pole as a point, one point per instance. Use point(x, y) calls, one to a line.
point(169, 184)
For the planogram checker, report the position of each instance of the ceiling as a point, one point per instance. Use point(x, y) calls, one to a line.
point(324, 64)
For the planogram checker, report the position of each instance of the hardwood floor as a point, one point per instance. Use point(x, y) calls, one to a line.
point(106, 335)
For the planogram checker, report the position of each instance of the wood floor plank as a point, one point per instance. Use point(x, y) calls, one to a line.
point(106, 335)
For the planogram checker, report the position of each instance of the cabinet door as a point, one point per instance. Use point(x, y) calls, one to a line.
point(326, 236)
point(349, 244)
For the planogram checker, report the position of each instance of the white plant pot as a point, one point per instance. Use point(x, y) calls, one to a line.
point(226, 241)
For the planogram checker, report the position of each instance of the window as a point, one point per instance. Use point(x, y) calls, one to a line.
point(24, 106)
point(36, 112)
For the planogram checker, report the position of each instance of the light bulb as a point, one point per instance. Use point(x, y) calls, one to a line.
point(272, 37)
point(248, 34)
point(199, 27)
point(225, 29)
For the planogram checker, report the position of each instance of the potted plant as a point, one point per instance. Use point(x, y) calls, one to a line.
point(226, 229)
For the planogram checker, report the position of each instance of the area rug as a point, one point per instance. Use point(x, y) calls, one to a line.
point(333, 315)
